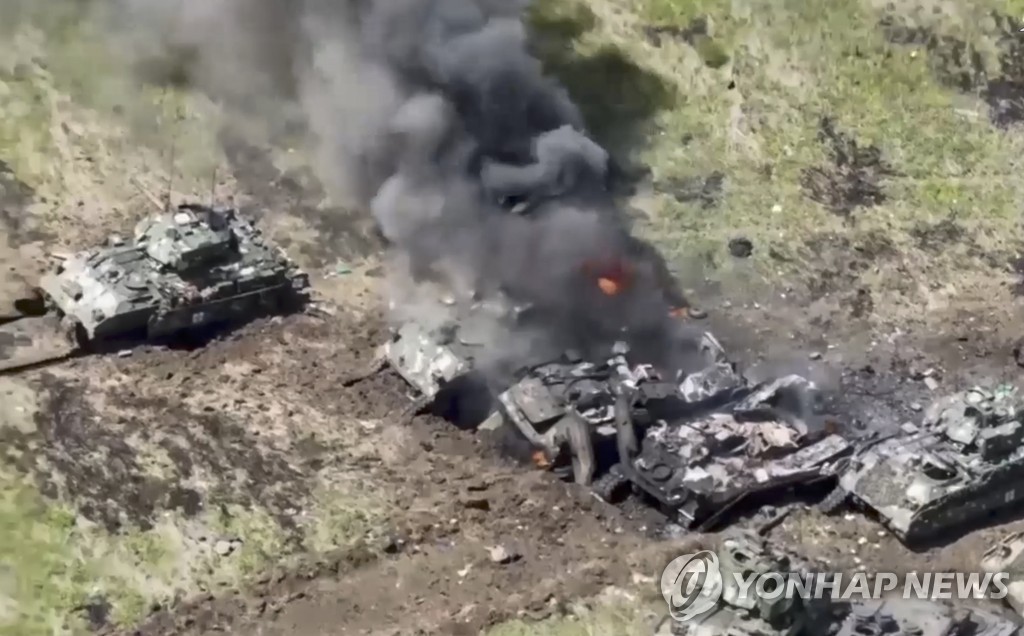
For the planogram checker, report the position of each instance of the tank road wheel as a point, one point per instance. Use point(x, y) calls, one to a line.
point(833, 501)
point(576, 432)
point(32, 304)
point(611, 487)
point(74, 332)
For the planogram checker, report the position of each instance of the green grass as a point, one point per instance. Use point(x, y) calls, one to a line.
point(745, 98)
point(58, 565)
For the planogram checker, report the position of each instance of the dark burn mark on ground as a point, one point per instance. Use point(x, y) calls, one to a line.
point(842, 264)
point(343, 234)
point(15, 197)
point(112, 470)
point(1005, 93)
point(854, 177)
point(959, 65)
point(954, 62)
point(707, 191)
point(697, 34)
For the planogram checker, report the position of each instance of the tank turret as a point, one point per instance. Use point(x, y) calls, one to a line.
point(184, 269)
point(193, 236)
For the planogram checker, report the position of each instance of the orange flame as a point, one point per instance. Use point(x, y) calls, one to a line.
point(540, 460)
point(612, 276)
point(609, 286)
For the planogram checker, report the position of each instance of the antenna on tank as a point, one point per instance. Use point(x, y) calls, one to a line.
point(213, 185)
point(170, 175)
point(174, 152)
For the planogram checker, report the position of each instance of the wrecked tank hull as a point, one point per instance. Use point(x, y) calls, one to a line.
point(737, 444)
point(964, 464)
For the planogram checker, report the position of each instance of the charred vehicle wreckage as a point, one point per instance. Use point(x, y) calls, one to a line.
point(183, 270)
point(743, 556)
point(706, 444)
point(697, 444)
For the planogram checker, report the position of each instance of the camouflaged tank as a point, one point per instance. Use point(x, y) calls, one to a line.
point(187, 268)
point(736, 613)
point(1007, 556)
point(737, 441)
point(919, 617)
point(964, 463)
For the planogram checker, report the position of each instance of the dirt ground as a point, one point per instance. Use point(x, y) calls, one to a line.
point(246, 486)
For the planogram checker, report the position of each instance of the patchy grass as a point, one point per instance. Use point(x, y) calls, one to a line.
point(78, 130)
point(752, 84)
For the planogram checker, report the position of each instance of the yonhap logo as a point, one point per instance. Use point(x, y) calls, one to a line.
point(692, 585)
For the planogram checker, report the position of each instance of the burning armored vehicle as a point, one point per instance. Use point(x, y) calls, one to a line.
point(697, 444)
point(964, 463)
point(559, 406)
point(184, 269)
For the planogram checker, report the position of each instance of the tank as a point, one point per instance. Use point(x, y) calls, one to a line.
point(184, 269)
point(733, 443)
point(919, 617)
point(745, 555)
point(1007, 555)
point(964, 463)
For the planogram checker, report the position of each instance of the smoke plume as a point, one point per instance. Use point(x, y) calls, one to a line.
point(433, 115)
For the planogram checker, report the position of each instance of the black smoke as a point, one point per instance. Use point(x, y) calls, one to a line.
point(476, 165)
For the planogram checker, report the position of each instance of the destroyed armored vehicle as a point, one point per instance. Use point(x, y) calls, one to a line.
point(739, 612)
point(1007, 556)
point(185, 269)
point(963, 464)
point(566, 406)
point(556, 406)
point(732, 442)
point(920, 617)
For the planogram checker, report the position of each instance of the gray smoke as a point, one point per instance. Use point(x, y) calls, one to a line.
point(434, 116)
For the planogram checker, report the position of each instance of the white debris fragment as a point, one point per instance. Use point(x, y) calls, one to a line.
point(498, 554)
point(862, 540)
point(931, 383)
point(124, 353)
point(776, 208)
point(223, 548)
point(642, 579)
point(464, 571)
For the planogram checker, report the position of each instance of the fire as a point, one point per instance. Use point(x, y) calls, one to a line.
point(678, 312)
point(609, 286)
point(613, 276)
point(540, 459)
